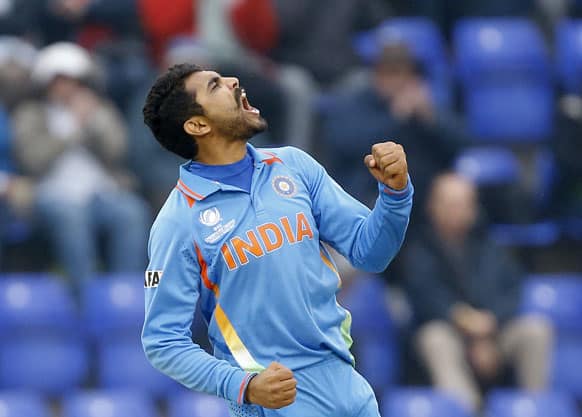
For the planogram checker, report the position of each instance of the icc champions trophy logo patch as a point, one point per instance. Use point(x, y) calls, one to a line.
point(284, 186)
point(210, 217)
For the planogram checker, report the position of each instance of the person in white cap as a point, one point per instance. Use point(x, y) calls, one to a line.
point(73, 143)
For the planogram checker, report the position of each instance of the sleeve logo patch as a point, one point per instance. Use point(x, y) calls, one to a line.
point(152, 278)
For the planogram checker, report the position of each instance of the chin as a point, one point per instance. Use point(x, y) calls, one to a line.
point(255, 126)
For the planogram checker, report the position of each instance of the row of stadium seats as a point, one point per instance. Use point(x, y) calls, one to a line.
point(557, 297)
point(408, 402)
point(502, 65)
point(40, 320)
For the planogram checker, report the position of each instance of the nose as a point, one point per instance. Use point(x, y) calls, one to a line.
point(232, 82)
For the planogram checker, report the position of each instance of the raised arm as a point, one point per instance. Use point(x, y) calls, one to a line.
point(369, 239)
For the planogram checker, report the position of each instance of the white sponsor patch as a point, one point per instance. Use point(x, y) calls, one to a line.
point(152, 279)
point(210, 217)
point(220, 231)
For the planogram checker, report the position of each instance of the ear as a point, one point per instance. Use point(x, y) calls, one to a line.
point(197, 126)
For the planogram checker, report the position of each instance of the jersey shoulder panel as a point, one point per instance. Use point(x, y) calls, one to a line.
point(177, 210)
point(296, 159)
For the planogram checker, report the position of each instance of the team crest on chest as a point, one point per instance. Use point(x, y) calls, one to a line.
point(284, 186)
point(210, 217)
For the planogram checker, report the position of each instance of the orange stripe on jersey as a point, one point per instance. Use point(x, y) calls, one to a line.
point(189, 199)
point(189, 191)
point(330, 265)
point(240, 398)
point(204, 273)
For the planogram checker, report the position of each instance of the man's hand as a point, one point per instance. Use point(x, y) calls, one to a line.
point(474, 323)
point(275, 387)
point(387, 164)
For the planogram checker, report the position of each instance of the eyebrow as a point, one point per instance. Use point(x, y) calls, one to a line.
point(212, 80)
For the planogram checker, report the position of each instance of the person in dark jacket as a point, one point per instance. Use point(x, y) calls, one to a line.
point(465, 293)
point(396, 103)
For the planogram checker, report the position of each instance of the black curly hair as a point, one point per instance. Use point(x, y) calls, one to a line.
point(168, 105)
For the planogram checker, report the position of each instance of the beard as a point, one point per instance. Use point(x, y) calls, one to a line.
point(240, 128)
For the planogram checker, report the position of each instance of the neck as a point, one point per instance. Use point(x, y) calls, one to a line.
point(220, 151)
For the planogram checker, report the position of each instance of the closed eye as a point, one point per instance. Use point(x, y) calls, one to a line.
point(214, 83)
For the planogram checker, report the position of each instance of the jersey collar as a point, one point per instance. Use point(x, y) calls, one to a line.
point(199, 188)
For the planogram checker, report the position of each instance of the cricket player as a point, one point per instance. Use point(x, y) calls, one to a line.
point(242, 233)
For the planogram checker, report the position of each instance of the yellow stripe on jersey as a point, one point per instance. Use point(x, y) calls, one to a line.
point(235, 345)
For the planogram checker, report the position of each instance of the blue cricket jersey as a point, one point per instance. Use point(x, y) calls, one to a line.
point(255, 260)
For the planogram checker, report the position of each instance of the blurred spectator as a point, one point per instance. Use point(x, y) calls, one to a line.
point(567, 144)
point(465, 293)
point(72, 143)
point(447, 12)
point(226, 27)
point(89, 21)
point(236, 37)
point(15, 191)
point(16, 59)
point(395, 105)
point(317, 35)
point(112, 31)
point(22, 18)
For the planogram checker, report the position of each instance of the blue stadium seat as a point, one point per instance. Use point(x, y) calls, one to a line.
point(35, 304)
point(512, 403)
point(365, 299)
point(190, 404)
point(109, 404)
point(114, 307)
point(123, 365)
point(504, 70)
point(19, 404)
point(558, 297)
point(540, 234)
point(421, 402)
point(420, 34)
point(377, 360)
point(572, 228)
point(510, 111)
point(490, 47)
point(49, 366)
point(569, 54)
point(425, 41)
point(373, 331)
point(566, 370)
point(488, 166)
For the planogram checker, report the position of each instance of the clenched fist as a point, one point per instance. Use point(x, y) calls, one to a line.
point(387, 164)
point(275, 387)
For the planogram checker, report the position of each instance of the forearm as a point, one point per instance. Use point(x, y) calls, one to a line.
point(184, 361)
point(380, 236)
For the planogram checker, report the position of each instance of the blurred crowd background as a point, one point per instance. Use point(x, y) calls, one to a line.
point(480, 313)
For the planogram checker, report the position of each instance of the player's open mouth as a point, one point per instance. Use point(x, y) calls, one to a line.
point(246, 106)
